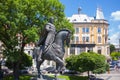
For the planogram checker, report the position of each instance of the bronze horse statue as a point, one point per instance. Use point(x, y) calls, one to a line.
point(55, 52)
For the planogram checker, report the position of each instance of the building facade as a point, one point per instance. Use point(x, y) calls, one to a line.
point(91, 33)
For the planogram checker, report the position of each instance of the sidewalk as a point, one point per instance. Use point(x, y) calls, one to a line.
point(109, 76)
point(113, 75)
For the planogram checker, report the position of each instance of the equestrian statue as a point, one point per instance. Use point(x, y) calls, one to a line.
point(51, 46)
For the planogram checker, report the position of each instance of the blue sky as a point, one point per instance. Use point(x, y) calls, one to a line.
point(110, 8)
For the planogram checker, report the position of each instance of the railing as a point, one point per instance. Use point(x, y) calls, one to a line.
point(81, 42)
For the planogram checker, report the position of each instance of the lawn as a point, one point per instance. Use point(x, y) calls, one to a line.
point(64, 77)
point(21, 78)
point(72, 77)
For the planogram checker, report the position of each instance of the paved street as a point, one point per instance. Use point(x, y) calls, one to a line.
point(113, 75)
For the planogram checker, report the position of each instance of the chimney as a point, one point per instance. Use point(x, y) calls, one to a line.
point(79, 9)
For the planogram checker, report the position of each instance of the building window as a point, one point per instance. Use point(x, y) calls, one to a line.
point(76, 30)
point(77, 39)
point(85, 19)
point(74, 20)
point(85, 30)
point(72, 50)
point(87, 39)
point(99, 39)
point(83, 39)
point(99, 50)
point(99, 30)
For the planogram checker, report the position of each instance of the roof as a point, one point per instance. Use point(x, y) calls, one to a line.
point(80, 18)
point(85, 18)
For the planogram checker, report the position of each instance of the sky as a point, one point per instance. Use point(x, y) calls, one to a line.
point(110, 8)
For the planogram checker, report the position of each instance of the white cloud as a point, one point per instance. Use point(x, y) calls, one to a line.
point(114, 39)
point(115, 15)
point(111, 30)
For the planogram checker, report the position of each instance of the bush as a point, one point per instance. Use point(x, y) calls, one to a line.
point(90, 61)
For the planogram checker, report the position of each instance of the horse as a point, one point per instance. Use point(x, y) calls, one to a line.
point(55, 52)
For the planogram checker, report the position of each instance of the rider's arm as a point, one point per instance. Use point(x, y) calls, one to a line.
point(41, 41)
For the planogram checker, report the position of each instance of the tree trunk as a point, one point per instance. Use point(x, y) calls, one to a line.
point(16, 71)
point(88, 75)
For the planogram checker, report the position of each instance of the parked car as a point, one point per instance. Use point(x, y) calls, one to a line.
point(113, 64)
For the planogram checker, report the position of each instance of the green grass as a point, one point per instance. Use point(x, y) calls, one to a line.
point(64, 77)
point(71, 77)
point(21, 78)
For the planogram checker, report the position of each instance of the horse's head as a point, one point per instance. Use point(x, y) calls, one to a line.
point(64, 35)
point(68, 36)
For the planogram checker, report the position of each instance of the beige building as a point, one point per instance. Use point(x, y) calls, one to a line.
point(91, 33)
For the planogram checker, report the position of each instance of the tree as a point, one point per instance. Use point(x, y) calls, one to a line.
point(115, 55)
point(101, 65)
point(26, 63)
point(22, 21)
point(71, 62)
point(112, 48)
point(90, 61)
point(86, 62)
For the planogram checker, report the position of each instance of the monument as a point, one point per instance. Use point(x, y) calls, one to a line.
point(51, 47)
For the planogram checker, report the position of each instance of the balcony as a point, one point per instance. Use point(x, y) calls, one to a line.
point(82, 44)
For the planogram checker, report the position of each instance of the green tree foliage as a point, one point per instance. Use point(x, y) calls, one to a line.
point(87, 62)
point(112, 48)
point(22, 21)
point(100, 63)
point(115, 55)
point(26, 63)
point(71, 62)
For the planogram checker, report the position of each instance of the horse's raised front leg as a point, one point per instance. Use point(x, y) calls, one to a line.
point(38, 68)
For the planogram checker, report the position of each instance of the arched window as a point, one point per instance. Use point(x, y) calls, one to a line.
point(99, 30)
point(99, 39)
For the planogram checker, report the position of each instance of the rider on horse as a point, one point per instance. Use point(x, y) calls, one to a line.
point(47, 38)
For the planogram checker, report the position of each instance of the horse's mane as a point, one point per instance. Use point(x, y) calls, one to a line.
point(64, 30)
